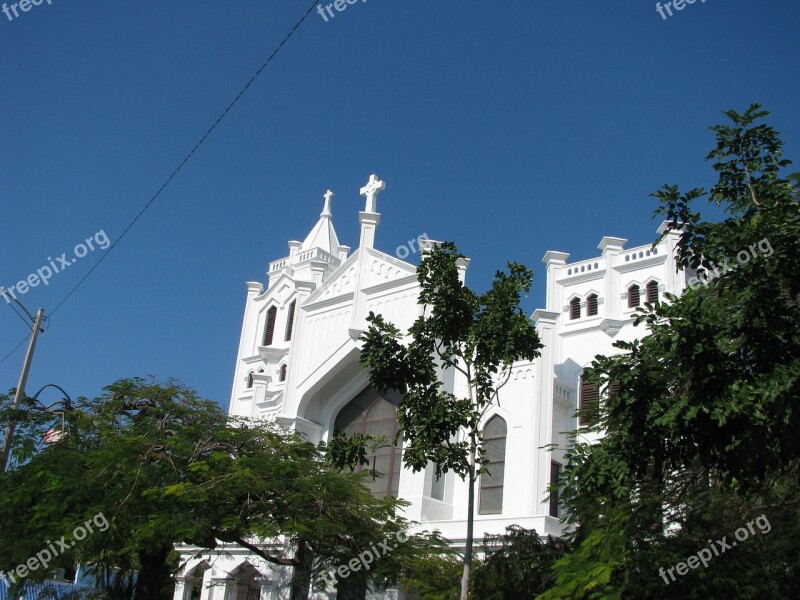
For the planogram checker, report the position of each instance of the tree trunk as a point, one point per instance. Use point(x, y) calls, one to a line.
point(351, 588)
point(153, 574)
point(301, 577)
point(470, 521)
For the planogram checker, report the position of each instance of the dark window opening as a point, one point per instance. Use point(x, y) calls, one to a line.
point(575, 308)
point(591, 305)
point(651, 292)
point(555, 476)
point(633, 296)
point(269, 330)
point(290, 322)
point(589, 404)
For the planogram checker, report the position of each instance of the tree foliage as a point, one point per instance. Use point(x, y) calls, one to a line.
point(165, 467)
point(517, 565)
point(479, 336)
point(700, 435)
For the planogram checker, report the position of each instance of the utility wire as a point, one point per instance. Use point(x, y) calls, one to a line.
point(24, 320)
point(11, 352)
point(177, 169)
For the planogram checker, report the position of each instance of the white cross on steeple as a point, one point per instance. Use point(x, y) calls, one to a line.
point(326, 212)
point(370, 192)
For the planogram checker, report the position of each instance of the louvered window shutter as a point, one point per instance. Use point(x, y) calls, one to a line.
point(591, 305)
point(590, 404)
point(633, 296)
point(575, 309)
point(290, 322)
point(652, 292)
point(269, 330)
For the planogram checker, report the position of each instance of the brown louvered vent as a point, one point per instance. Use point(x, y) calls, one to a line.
point(589, 404)
point(269, 330)
point(575, 309)
point(633, 296)
point(283, 373)
point(591, 305)
point(652, 292)
point(290, 322)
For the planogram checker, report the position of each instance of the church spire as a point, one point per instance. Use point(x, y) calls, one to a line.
point(323, 235)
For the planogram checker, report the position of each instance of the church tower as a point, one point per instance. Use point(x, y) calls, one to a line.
point(262, 365)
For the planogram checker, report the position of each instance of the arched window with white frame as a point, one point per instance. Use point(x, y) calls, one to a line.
point(491, 486)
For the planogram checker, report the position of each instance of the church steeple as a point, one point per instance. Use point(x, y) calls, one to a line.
point(323, 235)
point(316, 257)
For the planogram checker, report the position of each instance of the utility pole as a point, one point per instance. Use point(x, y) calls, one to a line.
point(23, 380)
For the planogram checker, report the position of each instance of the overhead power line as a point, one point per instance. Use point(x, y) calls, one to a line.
point(177, 169)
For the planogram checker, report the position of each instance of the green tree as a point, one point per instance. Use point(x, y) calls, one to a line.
point(517, 565)
point(700, 434)
point(164, 467)
point(479, 336)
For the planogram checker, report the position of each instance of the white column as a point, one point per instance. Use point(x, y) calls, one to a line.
point(183, 588)
point(266, 585)
point(612, 247)
point(555, 261)
point(542, 422)
point(221, 588)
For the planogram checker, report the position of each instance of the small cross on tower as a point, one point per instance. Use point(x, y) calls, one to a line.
point(326, 212)
point(370, 192)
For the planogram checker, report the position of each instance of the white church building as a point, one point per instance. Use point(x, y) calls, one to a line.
point(298, 363)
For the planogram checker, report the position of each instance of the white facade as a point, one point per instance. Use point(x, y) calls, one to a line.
point(305, 381)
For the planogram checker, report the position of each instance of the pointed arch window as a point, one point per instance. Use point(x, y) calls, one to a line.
point(494, 442)
point(250, 380)
point(651, 292)
point(282, 376)
point(370, 413)
point(575, 308)
point(290, 321)
point(591, 305)
point(634, 296)
point(269, 329)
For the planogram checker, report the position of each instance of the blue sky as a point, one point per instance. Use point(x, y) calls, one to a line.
point(511, 128)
